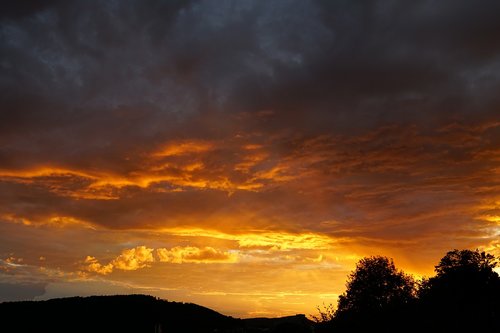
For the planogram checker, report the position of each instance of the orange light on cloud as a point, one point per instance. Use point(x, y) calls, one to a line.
point(271, 240)
point(129, 260)
point(192, 254)
point(184, 147)
point(306, 212)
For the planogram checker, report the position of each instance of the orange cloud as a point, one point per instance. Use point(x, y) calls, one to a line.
point(185, 147)
point(51, 221)
point(142, 257)
point(91, 264)
point(250, 160)
point(129, 260)
point(305, 206)
point(133, 259)
point(42, 172)
point(191, 254)
point(280, 241)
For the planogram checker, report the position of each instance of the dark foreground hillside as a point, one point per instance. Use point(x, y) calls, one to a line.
point(132, 313)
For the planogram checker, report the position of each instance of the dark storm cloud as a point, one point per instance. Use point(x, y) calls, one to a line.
point(119, 74)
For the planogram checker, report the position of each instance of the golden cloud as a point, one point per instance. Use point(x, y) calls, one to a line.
point(91, 264)
point(191, 254)
point(272, 240)
point(133, 259)
point(177, 148)
point(55, 221)
point(129, 260)
point(142, 257)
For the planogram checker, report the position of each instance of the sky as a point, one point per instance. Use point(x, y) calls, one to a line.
point(243, 155)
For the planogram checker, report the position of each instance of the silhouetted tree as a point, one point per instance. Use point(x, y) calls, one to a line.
point(464, 294)
point(466, 260)
point(376, 298)
point(374, 285)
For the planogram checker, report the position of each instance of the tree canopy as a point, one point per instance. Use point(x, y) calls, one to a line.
point(463, 296)
point(466, 260)
point(374, 285)
point(465, 293)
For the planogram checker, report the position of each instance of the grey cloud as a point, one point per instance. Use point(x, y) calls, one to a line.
point(79, 70)
point(20, 292)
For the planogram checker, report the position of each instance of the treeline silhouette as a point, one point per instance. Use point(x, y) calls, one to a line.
point(463, 296)
point(122, 313)
point(133, 314)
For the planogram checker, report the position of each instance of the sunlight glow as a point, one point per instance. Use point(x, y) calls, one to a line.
point(271, 240)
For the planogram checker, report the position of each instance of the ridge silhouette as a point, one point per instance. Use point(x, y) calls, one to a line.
point(134, 314)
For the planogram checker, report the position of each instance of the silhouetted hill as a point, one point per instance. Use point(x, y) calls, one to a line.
point(132, 313)
point(292, 324)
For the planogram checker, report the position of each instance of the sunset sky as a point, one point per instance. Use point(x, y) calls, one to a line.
point(243, 155)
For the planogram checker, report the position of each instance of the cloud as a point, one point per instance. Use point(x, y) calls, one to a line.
point(129, 260)
point(342, 70)
point(279, 241)
point(91, 264)
point(363, 182)
point(142, 257)
point(132, 259)
point(191, 254)
point(20, 292)
point(184, 147)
